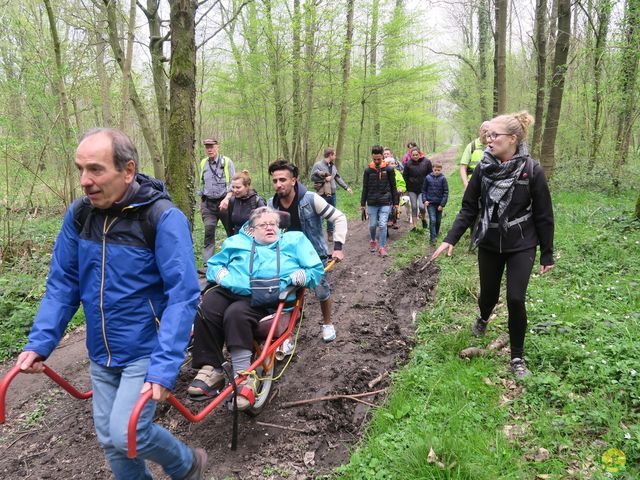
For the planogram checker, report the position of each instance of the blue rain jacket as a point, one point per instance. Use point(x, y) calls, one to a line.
point(139, 300)
point(296, 252)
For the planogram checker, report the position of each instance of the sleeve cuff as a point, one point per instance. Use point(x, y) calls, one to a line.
point(337, 245)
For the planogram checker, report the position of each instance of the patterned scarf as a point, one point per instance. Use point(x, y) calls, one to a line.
point(498, 181)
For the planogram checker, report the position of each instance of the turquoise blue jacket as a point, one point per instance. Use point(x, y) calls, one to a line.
point(296, 252)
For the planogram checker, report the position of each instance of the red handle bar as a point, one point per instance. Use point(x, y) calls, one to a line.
point(48, 371)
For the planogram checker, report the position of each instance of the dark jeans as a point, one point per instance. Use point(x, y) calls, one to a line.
point(210, 210)
point(223, 317)
point(331, 200)
point(435, 218)
point(519, 266)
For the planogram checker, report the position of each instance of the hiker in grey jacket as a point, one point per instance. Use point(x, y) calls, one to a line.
point(325, 177)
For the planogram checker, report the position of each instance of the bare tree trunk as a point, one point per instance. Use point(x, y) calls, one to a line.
point(346, 69)
point(297, 101)
point(69, 190)
point(374, 69)
point(103, 79)
point(275, 71)
point(147, 131)
point(500, 58)
point(547, 151)
point(310, 19)
point(628, 82)
point(363, 102)
point(156, 43)
point(126, 70)
point(603, 14)
point(484, 25)
point(181, 138)
point(541, 73)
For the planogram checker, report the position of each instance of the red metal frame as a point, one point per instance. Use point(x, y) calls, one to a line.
point(48, 371)
point(268, 350)
point(194, 418)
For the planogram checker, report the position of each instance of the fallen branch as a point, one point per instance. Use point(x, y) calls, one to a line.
point(283, 427)
point(355, 396)
point(377, 380)
point(496, 344)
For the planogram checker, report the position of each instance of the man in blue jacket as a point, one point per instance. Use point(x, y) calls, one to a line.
point(125, 252)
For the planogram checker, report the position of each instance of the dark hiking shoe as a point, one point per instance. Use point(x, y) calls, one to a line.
point(519, 368)
point(330, 237)
point(198, 466)
point(207, 382)
point(479, 328)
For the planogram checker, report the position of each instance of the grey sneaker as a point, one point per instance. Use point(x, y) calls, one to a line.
point(198, 466)
point(479, 328)
point(207, 382)
point(519, 368)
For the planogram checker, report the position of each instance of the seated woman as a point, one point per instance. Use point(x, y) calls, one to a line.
point(244, 201)
point(248, 262)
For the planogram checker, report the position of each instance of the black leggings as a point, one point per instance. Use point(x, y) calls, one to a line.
point(223, 317)
point(519, 266)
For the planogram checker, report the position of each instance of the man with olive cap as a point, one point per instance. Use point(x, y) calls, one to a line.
point(216, 172)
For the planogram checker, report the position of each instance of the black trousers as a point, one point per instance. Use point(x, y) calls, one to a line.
point(519, 266)
point(223, 317)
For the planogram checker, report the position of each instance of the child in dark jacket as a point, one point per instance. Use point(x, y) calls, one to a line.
point(435, 193)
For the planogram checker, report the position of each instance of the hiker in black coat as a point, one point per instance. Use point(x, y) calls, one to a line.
point(244, 201)
point(414, 173)
point(509, 192)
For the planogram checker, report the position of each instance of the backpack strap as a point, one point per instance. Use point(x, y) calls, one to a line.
point(147, 215)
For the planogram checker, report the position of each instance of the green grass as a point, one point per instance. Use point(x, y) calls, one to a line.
point(582, 346)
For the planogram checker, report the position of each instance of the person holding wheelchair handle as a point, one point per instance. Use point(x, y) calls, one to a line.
point(249, 273)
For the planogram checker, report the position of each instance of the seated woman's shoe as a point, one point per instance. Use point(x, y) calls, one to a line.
point(246, 394)
point(207, 382)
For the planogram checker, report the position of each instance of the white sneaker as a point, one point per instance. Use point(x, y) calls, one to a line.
point(328, 333)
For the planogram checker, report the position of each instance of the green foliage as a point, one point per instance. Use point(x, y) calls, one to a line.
point(582, 344)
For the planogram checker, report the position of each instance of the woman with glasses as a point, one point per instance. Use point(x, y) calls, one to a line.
point(250, 271)
point(509, 191)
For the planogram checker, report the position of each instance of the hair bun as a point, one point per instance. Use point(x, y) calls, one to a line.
point(525, 119)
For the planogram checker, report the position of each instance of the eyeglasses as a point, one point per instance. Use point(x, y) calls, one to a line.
point(493, 135)
point(264, 226)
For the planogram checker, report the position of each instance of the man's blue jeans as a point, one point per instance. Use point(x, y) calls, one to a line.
point(331, 201)
point(435, 217)
point(115, 392)
point(378, 217)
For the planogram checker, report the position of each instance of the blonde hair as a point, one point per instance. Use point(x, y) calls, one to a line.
point(244, 176)
point(516, 124)
point(437, 163)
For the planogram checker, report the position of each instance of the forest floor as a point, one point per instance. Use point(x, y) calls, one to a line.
point(50, 435)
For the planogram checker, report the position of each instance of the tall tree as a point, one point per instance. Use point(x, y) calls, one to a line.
point(540, 44)
point(126, 69)
point(484, 28)
point(500, 57)
point(145, 123)
point(59, 85)
point(182, 84)
point(603, 15)
point(275, 70)
point(346, 70)
point(158, 73)
point(627, 85)
point(547, 151)
point(296, 98)
point(373, 61)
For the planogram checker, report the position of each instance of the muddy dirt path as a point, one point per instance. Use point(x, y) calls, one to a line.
point(49, 435)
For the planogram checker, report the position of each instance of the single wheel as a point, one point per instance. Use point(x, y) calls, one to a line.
point(263, 387)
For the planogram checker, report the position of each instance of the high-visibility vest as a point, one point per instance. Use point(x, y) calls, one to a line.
point(225, 167)
point(477, 152)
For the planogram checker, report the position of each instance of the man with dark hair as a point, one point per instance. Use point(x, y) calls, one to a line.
point(216, 172)
point(307, 209)
point(379, 193)
point(325, 176)
point(125, 252)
